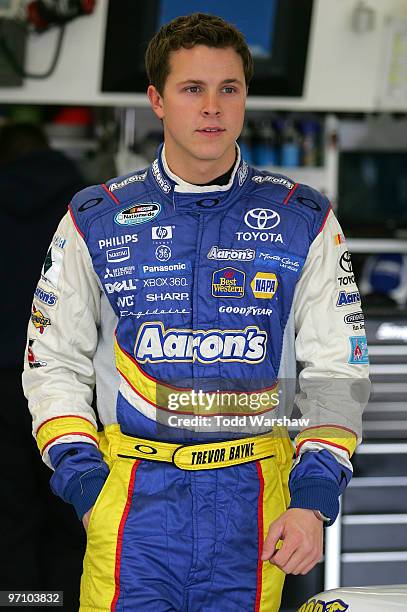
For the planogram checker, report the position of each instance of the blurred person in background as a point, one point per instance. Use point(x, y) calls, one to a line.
point(36, 183)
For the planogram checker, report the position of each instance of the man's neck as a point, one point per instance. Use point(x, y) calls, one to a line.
point(200, 172)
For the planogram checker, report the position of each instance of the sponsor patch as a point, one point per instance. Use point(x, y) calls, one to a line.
point(358, 350)
point(246, 311)
point(168, 281)
point(47, 297)
point(115, 272)
point(345, 298)
point(163, 253)
point(339, 239)
point(261, 236)
point(242, 173)
point(117, 241)
point(228, 283)
point(318, 605)
point(276, 180)
point(154, 312)
point(33, 362)
point(135, 178)
point(162, 232)
point(346, 263)
point(163, 184)
point(279, 260)
point(125, 301)
point(346, 280)
point(220, 254)
point(354, 317)
point(58, 241)
point(137, 214)
point(262, 218)
point(178, 267)
point(163, 297)
point(264, 285)
point(117, 255)
point(52, 266)
point(156, 344)
point(118, 286)
point(39, 321)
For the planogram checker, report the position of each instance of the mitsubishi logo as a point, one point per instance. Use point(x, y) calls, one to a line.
point(262, 218)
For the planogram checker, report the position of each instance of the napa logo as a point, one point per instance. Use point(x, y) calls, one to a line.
point(155, 344)
point(137, 214)
point(313, 605)
point(264, 285)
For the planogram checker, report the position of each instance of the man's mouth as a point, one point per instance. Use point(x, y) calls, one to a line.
point(212, 129)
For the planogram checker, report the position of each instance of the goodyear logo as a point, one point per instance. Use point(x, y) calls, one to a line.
point(156, 344)
point(264, 285)
point(228, 283)
point(314, 605)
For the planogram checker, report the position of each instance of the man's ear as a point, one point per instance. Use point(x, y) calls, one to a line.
point(156, 101)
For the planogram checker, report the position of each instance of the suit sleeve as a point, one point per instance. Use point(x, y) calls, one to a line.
point(334, 384)
point(58, 377)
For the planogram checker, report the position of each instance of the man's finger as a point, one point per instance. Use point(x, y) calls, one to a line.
point(274, 534)
point(290, 546)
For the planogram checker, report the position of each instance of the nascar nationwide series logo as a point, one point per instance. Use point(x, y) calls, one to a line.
point(228, 283)
point(156, 344)
point(138, 213)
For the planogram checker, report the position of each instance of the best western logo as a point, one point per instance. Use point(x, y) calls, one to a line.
point(264, 285)
point(228, 282)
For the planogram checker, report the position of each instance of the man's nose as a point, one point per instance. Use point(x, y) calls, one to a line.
point(211, 105)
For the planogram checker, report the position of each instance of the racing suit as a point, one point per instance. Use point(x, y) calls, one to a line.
point(197, 295)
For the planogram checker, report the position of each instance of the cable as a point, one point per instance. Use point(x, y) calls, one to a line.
point(16, 65)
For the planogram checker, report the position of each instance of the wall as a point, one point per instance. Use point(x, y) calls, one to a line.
point(343, 71)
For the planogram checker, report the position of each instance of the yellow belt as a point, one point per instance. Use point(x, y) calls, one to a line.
point(207, 456)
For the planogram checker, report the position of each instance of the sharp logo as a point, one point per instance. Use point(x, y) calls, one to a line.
point(162, 297)
point(156, 344)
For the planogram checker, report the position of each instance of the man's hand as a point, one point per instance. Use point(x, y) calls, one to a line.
point(86, 517)
point(302, 535)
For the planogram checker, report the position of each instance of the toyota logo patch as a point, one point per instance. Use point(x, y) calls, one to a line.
point(262, 218)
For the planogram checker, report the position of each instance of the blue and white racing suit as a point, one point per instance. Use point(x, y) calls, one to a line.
point(172, 299)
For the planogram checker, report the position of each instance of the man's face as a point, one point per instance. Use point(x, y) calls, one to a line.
point(203, 104)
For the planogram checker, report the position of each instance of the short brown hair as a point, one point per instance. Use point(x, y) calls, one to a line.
point(187, 32)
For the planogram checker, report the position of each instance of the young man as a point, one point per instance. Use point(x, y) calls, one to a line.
point(203, 279)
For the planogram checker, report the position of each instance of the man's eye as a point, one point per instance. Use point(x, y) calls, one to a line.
point(229, 90)
point(193, 89)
